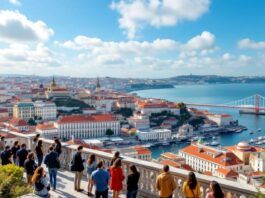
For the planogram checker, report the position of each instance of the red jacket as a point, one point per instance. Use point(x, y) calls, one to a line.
point(116, 178)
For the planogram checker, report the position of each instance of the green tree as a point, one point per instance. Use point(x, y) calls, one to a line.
point(11, 182)
point(109, 132)
point(31, 122)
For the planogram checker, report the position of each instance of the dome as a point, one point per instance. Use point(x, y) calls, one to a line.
point(243, 146)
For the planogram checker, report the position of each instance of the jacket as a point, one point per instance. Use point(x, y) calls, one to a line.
point(51, 160)
point(78, 162)
point(39, 151)
point(5, 157)
point(165, 184)
point(132, 181)
point(22, 156)
point(30, 166)
point(195, 193)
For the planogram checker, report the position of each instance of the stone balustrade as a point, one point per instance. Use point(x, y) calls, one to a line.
point(149, 171)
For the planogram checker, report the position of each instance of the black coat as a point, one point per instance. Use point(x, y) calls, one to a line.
point(58, 149)
point(5, 157)
point(30, 166)
point(22, 156)
point(78, 162)
point(132, 181)
point(51, 160)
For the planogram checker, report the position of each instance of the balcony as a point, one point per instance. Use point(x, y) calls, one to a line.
point(149, 171)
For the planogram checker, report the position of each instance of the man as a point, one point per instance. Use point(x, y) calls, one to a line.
point(6, 156)
point(52, 162)
point(30, 166)
point(22, 154)
point(165, 183)
point(101, 178)
point(78, 167)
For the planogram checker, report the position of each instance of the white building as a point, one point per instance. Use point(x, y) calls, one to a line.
point(4, 112)
point(45, 110)
point(87, 126)
point(47, 130)
point(207, 159)
point(156, 134)
point(23, 110)
point(140, 122)
point(220, 119)
point(185, 130)
point(257, 161)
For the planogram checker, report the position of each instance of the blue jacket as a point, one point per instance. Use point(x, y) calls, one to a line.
point(51, 160)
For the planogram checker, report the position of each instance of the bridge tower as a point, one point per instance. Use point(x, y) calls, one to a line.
point(257, 103)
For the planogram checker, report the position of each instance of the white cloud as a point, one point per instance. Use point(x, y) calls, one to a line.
point(25, 55)
point(15, 2)
point(204, 41)
point(136, 14)
point(250, 44)
point(16, 27)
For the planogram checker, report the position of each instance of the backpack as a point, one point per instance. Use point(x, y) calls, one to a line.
point(72, 166)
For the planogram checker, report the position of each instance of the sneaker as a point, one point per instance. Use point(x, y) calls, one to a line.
point(90, 194)
point(80, 190)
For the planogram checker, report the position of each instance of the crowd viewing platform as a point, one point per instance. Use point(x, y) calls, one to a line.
point(76, 163)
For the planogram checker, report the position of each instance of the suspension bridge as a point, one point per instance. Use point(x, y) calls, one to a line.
point(254, 104)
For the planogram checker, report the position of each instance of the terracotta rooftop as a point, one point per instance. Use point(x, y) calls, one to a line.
point(227, 172)
point(212, 155)
point(18, 122)
point(45, 126)
point(86, 118)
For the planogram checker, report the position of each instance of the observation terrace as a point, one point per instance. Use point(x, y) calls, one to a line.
point(149, 171)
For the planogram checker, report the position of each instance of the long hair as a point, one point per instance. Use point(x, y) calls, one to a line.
point(16, 143)
point(91, 159)
point(57, 141)
point(192, 181)
point(39, 144)
point(37, 174)
point(133, 169)
point(217, 191)
point(35, 139)
point(117, 163)
point(31, 156)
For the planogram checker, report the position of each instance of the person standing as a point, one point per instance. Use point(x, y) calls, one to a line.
point(14, 150)
point(35, 140)
point(117, 177)
point(116, 156)
point(2, 143)
point(101, 178)
point(52, 162)
point(215, 191)
point(58, 146)
point(40, 182)
point(22, 154)
point(30, 166)
point(6, 156)
point(78, 168)
point(39, 152)
point(191, 188)
point(91, 166)
point(165, 183)
point(132, 182)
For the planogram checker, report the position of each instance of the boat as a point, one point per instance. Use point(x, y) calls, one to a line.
point(238, 131)
point(251, 141)
point(259, 129)
point(214, 143)
point(148, 145)
point(251, 132)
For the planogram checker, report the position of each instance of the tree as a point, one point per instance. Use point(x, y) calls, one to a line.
point(109, 132)
point(11, 182)
point(31, 122)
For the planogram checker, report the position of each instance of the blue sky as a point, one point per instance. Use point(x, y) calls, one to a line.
point(132, 38)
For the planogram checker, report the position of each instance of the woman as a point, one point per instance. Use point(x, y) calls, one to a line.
point(116, 178)
point(39, 152)
point(91, 166)
point(191, 188)
point(40, 182)
point(216, 191)
point(30, 167)
point(132, 182)
point(14, 150)
point(58, 146)
point(115, 157)
point(35, 140)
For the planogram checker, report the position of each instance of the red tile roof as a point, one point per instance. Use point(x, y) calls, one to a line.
point(45, 126)
point(208, 154)
point(18, 122)
point(227, 172)
point(86, 118)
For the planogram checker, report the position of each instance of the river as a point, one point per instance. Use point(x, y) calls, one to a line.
point(213, 94)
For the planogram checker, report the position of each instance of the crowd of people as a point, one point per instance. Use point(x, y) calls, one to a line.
point(100, 175)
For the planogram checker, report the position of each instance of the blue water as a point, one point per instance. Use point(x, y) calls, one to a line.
point(213, 94)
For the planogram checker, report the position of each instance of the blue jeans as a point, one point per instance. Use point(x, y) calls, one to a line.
point(131, 194)
point(53, 175)
point(40, 159)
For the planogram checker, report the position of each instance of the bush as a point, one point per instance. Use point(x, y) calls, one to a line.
point(11, 182)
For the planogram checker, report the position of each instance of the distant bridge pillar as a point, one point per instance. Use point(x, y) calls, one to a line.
point(257, 103)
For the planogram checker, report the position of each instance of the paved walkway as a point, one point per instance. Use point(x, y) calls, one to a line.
point(65, 187)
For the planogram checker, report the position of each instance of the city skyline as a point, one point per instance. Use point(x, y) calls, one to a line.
point(138, 38)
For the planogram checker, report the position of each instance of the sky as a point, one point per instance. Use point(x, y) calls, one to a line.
point(132, 38)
